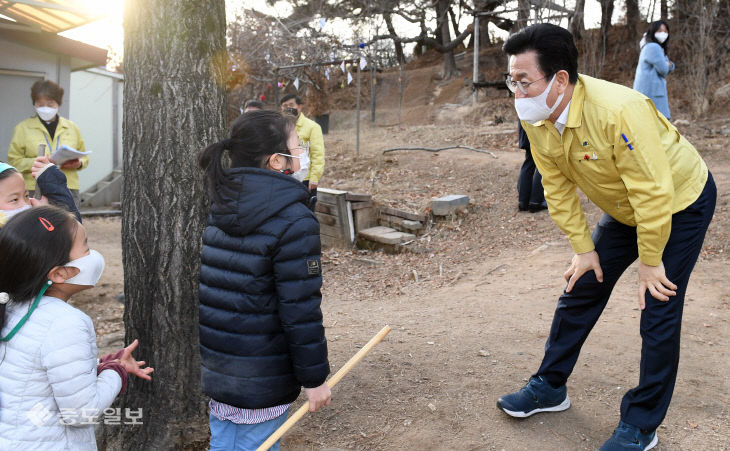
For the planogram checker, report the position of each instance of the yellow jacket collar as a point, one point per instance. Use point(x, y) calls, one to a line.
point(37, 123)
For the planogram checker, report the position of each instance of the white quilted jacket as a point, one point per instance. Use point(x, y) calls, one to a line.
point(48, 378)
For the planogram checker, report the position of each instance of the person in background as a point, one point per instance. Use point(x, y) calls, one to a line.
point(658, 199)
point(529, 185)
point(261, 332)
point(654, 66)
point(47, 127)
point(310, 136)
point(253, 105)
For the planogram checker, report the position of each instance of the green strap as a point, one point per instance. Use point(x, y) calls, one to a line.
point(22, 321)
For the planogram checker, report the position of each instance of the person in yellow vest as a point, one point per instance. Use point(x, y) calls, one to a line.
point(46, 127)
point(310, 137)
point(658, 198)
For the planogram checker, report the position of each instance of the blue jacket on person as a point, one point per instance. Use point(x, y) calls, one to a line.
point(261, 332)
point(651, 73)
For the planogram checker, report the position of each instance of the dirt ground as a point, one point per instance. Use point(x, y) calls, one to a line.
point(471, 306)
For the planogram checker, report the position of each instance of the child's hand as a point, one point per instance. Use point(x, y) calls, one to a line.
point(133, 366)
point(318, 397)
point(39, 165)
point(38, 202)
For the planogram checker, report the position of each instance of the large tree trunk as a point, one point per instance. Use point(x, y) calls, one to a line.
point(664, 11)
point(577, 24)
point(449, 69)
point(633, 17)
point(174, 104)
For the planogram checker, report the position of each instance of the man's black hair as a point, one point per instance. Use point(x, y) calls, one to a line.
point(289, 97)
point(254, 104)
point(554, 45)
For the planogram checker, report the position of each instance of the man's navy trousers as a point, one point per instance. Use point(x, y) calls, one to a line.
point(578, 311)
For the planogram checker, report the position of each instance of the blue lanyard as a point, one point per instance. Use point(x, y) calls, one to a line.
point(58, 143)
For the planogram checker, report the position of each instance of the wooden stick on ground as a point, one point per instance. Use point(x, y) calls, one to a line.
point(354, 360)
point(439, 149)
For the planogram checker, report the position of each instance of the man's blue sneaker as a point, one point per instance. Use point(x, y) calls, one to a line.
point(630, 438)
point(537, 396)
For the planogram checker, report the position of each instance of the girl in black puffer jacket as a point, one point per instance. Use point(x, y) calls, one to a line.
point(261, 333)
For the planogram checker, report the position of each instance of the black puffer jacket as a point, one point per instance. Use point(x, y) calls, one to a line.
point(261, 333)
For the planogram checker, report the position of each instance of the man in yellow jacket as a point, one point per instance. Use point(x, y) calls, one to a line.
point(49, 128)
point(310, 136)
point(658, 198)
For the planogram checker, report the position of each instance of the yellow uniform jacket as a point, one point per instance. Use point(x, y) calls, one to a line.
point(311, 133)
point(31, 132)
point(625, 156)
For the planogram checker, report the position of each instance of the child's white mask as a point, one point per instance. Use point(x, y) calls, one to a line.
point(534, 109)
point(10, 213)
point(90, 268)
point(303, 167)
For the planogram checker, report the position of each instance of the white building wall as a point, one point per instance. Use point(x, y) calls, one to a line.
point(97, 111)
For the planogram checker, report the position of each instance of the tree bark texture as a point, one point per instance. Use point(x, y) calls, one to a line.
point(664, 11)
point(174, 104)
point(577, 24)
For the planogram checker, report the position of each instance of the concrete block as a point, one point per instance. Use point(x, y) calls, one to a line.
point(385, 235)
point(447, 205)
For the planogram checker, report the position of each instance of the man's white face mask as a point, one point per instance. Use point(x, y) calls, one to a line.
point(534, 109)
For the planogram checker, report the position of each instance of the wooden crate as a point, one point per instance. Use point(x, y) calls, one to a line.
point(334, 212)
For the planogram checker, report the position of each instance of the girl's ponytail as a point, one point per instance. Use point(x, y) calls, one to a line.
point(211, 160)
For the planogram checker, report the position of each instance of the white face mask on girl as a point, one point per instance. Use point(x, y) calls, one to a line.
point(46, 113)
point(534, 109)
point(661, 36)
point(10, 213)
point(90, 268)
point(303, 167)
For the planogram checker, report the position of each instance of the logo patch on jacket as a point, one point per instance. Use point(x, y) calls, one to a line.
point(313, 268)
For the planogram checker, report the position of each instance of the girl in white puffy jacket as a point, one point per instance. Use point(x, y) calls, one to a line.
point(52, 389)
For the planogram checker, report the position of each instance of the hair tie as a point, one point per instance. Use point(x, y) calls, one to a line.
point(4, 298)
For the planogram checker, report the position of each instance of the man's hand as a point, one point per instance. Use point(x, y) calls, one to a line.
point(655, 280)
point(72, 164)
point(312, 186)
point(318, 397)
point(581, 264)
